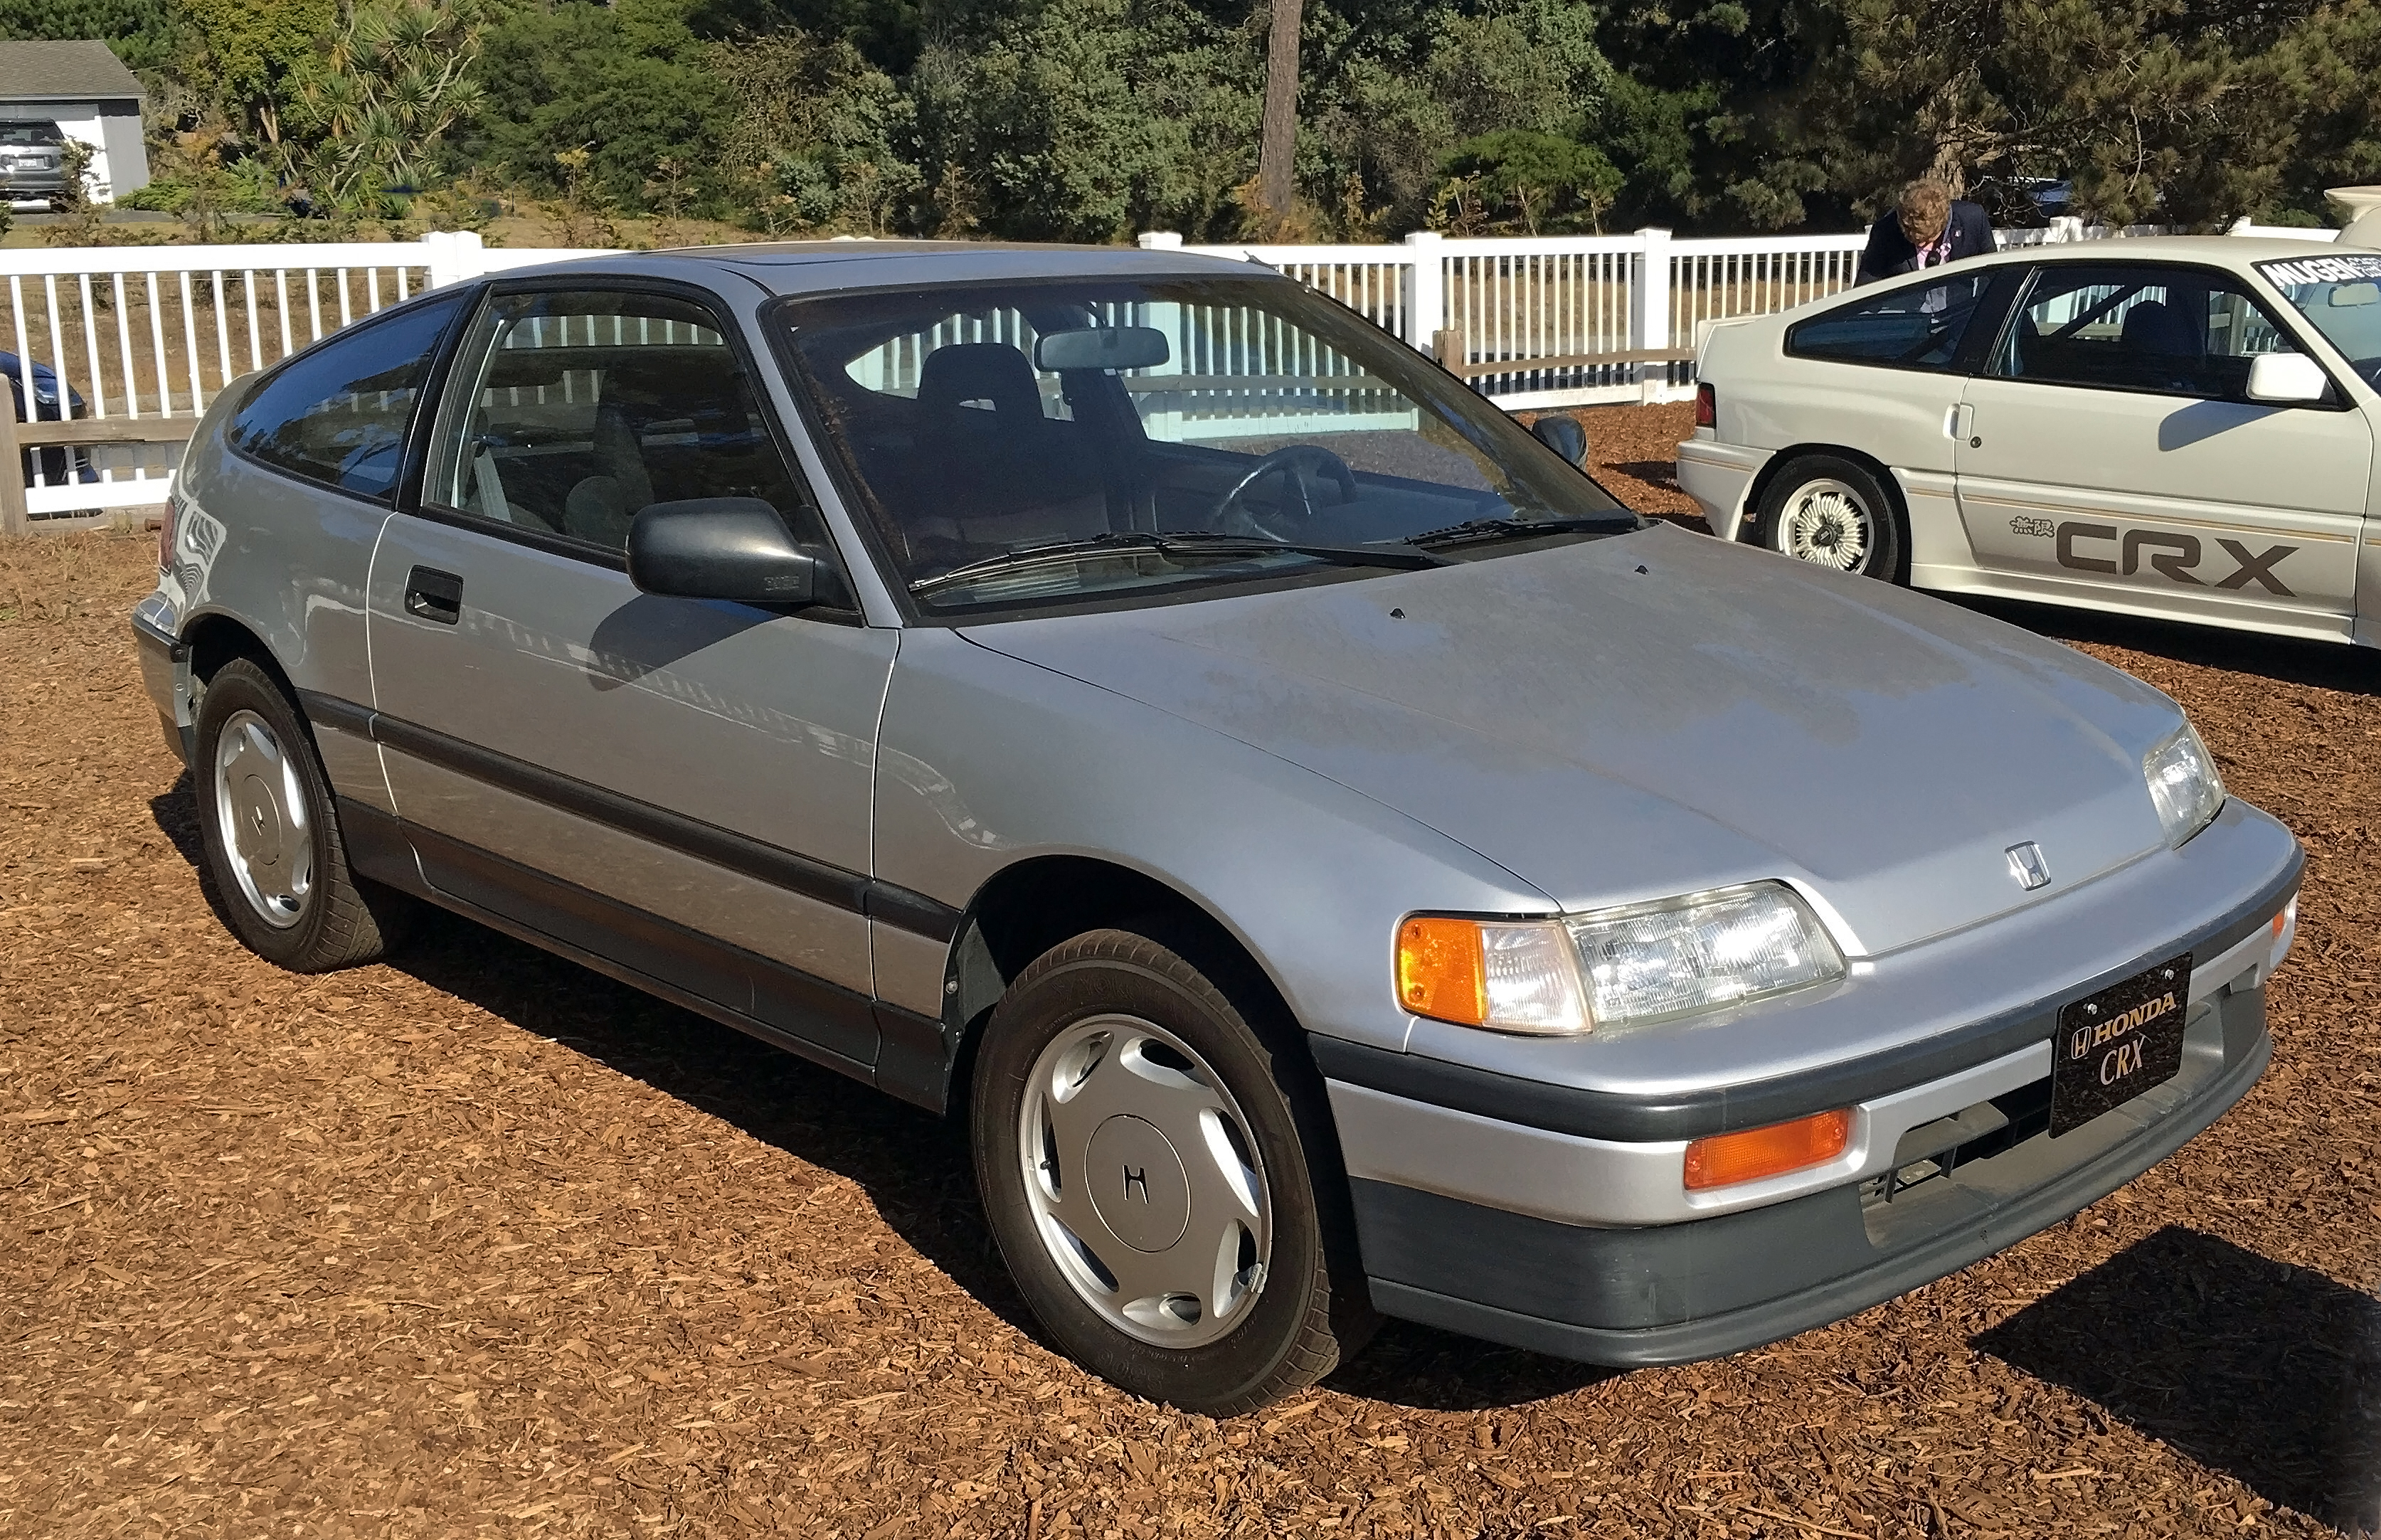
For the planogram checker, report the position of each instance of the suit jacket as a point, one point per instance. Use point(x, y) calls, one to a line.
point(1889, 253)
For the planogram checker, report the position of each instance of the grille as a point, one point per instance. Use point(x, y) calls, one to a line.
point(1972, 1133)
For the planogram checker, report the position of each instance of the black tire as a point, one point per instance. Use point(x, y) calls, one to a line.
point(328, 917)
point(1818, 507)
point(1311, 1310)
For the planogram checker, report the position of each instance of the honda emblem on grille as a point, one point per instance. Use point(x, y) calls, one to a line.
point(2028, 867)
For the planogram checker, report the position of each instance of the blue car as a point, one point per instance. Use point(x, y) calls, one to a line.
point(45, 408)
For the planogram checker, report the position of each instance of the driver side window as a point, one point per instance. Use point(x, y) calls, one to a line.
point(2166, 331)
point(1915, 327)
point(569, 412)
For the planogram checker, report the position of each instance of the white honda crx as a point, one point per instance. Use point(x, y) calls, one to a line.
point(2180, 427)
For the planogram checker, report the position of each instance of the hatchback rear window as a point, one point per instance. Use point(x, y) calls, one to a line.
point(30, 133)
point(337, 413)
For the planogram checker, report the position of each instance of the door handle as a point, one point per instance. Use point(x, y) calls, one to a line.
point(434, 596)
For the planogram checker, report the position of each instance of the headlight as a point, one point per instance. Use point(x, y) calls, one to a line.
point(1641, 963)
point(2184, 785)
point(1701, 952)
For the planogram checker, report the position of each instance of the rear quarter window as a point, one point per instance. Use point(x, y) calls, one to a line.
point(337, 413)
point(1916, 327)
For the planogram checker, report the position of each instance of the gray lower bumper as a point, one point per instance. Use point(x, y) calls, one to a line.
point(1675, 1294)
point(165, 671)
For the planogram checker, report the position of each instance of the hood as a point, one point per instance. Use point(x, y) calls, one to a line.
point(1627, 719)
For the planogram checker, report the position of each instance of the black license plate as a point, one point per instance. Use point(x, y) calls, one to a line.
point(2117, 1043)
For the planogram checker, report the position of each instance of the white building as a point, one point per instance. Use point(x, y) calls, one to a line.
point(84, 88)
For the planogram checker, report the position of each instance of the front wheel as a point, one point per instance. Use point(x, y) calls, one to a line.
point(1834, 512)
point(1148, 1163)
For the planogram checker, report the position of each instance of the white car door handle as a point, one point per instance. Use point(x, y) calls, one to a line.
point(1960, 421)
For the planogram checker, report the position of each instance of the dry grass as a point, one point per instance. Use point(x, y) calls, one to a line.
point(478, 1242)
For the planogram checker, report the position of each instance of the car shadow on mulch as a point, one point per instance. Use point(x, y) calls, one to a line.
point(1419, 1366)
point(2318, 665)
point(1662, 474)
point(2266, 1371)
point(913, 1167)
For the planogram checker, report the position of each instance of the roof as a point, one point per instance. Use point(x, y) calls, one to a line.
point(75, 70)
point(823, 266)
point(2225, 250)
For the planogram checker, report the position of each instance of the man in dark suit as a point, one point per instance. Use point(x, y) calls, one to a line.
point(1928, 228)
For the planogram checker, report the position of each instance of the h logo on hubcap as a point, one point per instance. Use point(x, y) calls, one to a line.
point(1140, 1178)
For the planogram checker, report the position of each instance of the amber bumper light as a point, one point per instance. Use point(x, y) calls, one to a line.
point(1442, 970)
point(1725, 1159)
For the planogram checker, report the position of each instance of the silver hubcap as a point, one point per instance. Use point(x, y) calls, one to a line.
point(1826, 522)
point(261, 811)
point(1145, 1182)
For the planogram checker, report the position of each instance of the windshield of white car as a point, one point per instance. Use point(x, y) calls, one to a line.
point(2340, 296)
point(1106, 428)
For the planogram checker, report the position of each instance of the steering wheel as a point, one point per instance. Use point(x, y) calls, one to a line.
point(1233, 516)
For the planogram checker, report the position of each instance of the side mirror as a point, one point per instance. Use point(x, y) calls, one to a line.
point(1563, 435)
point(734, 548)
point(2287, 379)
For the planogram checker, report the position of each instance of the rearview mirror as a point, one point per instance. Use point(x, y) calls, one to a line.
point(1564, 437)
point(734, 548)
point(2287, 379)
point(1101, 348)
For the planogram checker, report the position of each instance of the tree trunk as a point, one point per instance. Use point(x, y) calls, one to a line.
point(1278, 146)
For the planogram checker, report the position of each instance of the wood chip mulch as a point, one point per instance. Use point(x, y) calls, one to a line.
point(479, 1242)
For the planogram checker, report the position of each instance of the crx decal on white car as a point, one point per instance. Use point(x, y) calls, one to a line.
point(2176, 427)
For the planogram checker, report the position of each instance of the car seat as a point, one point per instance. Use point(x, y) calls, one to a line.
point(958, 375)
point(599, 507)
point(2161, 348)
point(992, 469)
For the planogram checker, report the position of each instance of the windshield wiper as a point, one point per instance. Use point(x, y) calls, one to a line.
point(1503, 528)
point(1200, 542)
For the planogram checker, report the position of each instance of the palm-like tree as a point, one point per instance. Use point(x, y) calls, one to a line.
point(372, 110)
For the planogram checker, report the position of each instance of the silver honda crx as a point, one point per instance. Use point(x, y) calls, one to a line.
point(1334, 859)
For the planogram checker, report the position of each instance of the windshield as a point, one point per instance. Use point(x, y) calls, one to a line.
point(2340, 296)
point(1055, 443)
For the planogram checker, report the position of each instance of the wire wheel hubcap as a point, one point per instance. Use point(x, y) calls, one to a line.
point(268, 839)
point(1824, 521)
point(1145, 1182)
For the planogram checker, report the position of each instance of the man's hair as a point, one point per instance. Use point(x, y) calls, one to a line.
point(1923, 209)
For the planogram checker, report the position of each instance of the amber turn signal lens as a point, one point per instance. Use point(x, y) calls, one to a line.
point(1443, 970)
point(1725, 1159)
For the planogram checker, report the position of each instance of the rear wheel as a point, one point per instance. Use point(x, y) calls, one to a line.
point(1149, 1163)
point(1834, 512)
point(271, 841)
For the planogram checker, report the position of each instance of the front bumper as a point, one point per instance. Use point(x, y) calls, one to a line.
point(1675, 1294)
point(1555, 1217)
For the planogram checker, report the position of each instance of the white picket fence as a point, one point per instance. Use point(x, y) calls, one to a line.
point(1583, 320)
point(120, 349)
point(116, 350)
